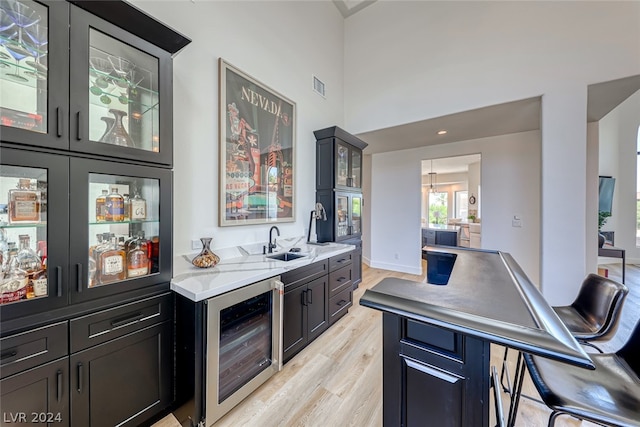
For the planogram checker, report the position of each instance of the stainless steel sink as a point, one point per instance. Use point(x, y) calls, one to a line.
point(285, 256)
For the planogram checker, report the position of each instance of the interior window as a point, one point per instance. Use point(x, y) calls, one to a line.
point(438, 208)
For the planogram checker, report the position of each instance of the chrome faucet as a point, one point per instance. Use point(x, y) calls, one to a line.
point(272, 246)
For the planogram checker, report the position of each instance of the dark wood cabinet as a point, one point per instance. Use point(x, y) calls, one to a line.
point(306, 309)
point(339, 189)
point(426, 375)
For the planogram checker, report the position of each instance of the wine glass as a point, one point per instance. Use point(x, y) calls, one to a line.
point(38, 34)
point(122, 67)
point(7, 32)
point(23, 17)
point(101, 72)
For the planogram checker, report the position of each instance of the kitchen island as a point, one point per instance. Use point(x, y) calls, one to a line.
point(436, 338)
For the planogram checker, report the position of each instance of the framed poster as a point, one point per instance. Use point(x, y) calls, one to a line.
point(257, 141)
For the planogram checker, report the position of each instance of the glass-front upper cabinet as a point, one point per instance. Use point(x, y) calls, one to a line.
point(33, 231)
point(125, 243)
point(348, 215)
point(34, 62)
point(348, 165)
point(120, 98)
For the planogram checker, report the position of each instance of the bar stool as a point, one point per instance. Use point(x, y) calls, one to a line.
point(593, 316)
point(608, 395)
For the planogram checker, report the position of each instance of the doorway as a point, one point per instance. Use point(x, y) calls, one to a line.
point(451, 199)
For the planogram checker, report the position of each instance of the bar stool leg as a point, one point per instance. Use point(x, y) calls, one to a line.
point(516, 391)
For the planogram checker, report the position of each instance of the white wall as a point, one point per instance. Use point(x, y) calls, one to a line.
point(510, 179)
point(618, 139)
point(279, 43)
point(438, 58)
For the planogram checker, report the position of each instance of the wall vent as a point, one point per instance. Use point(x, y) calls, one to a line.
point(318, 86)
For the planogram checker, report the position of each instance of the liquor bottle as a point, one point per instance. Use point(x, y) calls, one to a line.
point(138, 207)
point(4, 253)
point(101, 206)
point(127, 207)
point(24, 203)
point(112, 263)
point(137, 259)
point(28, 262)
point(115, 206)
point(94, 258)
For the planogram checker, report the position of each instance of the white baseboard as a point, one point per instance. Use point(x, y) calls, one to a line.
point(395, 267)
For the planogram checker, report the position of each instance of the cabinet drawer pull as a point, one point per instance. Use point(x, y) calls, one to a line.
point(59, 385)
point(342, 302)
point(79, 277)
point(432, 371)
point(8, 354)
point(341, 279)
point(125, 321)
point(59, 123)
point(310, 296)
point(59, 281)
point(79, 377)
point(78, 126)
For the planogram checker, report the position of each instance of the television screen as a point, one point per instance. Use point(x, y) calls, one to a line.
point(605, 193)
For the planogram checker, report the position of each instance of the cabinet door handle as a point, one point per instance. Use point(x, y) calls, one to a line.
point(303, 295)
point(310, 296)
point(79, 377)
point(79, 278)
point(8, 354)
point(59, 281)
point(59, 385)
point(432, 371)
point(59, 123)
point(78, 127)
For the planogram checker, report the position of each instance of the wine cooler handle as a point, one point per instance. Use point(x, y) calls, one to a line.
point(59, 281)
point(310, 296)
point(59, 385)
point(79, 377)
point(59, 121)
point(304, 297)
point(78, 127)
point(79, 278)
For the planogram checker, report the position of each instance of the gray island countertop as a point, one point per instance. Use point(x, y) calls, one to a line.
point(488, 296)
point(243, 265)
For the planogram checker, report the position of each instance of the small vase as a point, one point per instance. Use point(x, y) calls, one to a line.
point(118, 135)
point(108, 121)
point(206, 258)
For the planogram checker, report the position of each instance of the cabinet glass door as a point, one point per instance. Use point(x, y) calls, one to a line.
point(32, 231)
point(356, 215)
point(356, 169)
point(342, 165)
point(31, 57)
point(126, 210)
point(123, 94)
point(342, 216)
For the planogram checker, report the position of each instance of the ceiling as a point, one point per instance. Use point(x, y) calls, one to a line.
point(511, 117)
point(449, 165)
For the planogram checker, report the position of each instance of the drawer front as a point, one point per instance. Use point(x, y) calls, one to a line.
point(106, 325)
point(340, 280)
point(305, 274)
point(341, 260)
point(29, 349)
point(339, 305)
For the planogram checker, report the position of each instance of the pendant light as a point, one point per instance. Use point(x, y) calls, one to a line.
point(432, 178)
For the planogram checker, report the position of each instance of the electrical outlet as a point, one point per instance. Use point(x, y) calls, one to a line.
point(196, 244)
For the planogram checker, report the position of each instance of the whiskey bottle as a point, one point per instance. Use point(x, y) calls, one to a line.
point(138, 207)
point(112, 264)
point(101, 206)
point(94, 258)
point(27, 262)
point(137, 259)
point(127, 207)
point(115, 206)
point(24, 203)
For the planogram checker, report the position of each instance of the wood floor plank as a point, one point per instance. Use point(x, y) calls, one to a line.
point(337, 379)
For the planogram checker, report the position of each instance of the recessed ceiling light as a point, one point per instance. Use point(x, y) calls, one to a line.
point(442, 132)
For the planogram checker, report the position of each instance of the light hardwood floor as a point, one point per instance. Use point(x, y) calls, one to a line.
point(337, 379)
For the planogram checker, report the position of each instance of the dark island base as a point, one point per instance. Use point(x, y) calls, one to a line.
point(433, 376)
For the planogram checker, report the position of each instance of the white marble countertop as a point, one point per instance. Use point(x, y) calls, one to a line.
point(243, 265)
